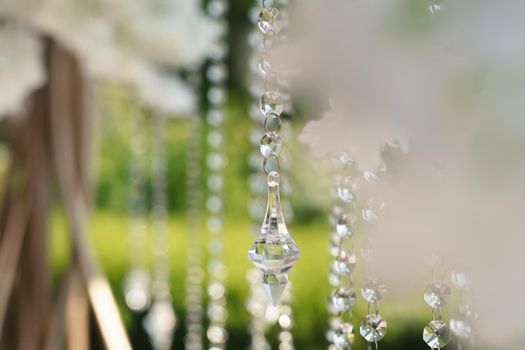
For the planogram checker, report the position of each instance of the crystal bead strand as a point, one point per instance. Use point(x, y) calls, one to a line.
point(274, 251)
point(343, 296)
point(436, 333)
point(462, 323)
point(216, 74)
point(257, 303)
point(373, 327)
point(195, 274)
point(285, 321)
point(161, 319)
point(137, 282)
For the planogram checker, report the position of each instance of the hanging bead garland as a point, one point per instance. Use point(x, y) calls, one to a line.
point(216, 160)
point(343, 296)
point(373, 327)
point(274, 251)
point(257, 303)
point(137, 282)
point(195, 273)
point(437, 333)
point(160, 321)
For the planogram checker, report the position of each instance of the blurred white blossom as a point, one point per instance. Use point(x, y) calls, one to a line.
point(136, 43)
point(21, 68)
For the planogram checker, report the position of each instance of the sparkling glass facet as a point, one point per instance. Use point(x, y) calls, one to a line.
point(344, 336)
point(271, 144)
point(436, 334)
point(345, 262)
point(435, 294)
point(345, 224)
point(270, 20)
point(345, 189)
point(372, 291)
point(373, 328)
point(272, 102)
point(343, 299)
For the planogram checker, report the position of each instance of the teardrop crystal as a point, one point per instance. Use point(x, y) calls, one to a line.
point(274, 251)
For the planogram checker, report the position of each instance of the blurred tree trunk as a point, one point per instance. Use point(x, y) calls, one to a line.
point(51, 147)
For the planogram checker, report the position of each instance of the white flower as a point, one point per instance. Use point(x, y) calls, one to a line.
point(21, 69)
point(139, 43)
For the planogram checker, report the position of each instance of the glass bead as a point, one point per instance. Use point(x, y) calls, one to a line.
point(435, 6)
point(373, 328)
point(270, 20)
point(264, 65)
point(345, 263)
point(272, 102)
point(215, 182)
point(436, 334)
point(216, 73)
point(218, 51)
point(344, 225)
point(460, 279)
point(461, 327)
point(435, 294)
point(217, 335)
point(160, 323)
point(372, 210)
point(271, 144)
point(344, 299)
point(345, 189)
point(373, 292)
point(137, 290)
point(215, 117)
point(217, 313)
point(344, 336)
point(216, 95)
point(345, 159)
point(214, 204)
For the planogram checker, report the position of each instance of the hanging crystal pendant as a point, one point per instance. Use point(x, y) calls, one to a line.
point(274, 251)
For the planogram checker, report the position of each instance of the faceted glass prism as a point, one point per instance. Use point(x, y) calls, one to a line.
point(373, 328)
point(272, 102)
point(277, 256)
point(343, 299)
point(436, 334)
point(344, 336)
point(270, 20)
point(435, 294)
point(274, 251)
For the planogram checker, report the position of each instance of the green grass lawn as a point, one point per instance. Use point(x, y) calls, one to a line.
point(309, 279)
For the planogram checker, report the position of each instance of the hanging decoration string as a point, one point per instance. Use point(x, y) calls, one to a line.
point(216, 74)
point(137, 281)
point(343, 296)
point(161, 319)
point(257, 303)
point(274, 251)
point(195, 274)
